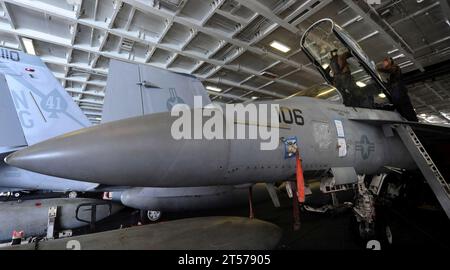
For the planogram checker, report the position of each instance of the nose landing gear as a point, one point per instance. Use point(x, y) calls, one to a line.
point(364, 210)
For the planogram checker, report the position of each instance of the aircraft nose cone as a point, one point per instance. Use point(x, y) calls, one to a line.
point(26, 158)
point(34, 158)
point(92, 154)
point(14, 159)
point(10, 159)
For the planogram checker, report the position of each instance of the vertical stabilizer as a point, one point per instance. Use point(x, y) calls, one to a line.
point(44, 108)
point(136, 90)
point(12, 134)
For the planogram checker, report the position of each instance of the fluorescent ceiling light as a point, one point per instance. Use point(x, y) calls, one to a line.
point(393, 51)
point(382, 95)
point(279, 46)
point(254, 97)
point(361, 84)
point(325, 66)
point(212, 88)
point(398, 56)
point(29, 46)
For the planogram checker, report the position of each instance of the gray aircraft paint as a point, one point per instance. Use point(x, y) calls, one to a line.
point(191, 198)
point(365, 147)
point(32, 216)
point(205, 233)
point(13, 134)
point(155, 159)
point(124, 98)
point(44, 108)
point(13, 179)
point(128, 96)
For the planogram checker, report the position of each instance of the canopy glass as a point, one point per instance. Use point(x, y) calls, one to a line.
point(323, 39)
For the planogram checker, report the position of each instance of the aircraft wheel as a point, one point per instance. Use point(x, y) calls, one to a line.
point(72, 195)
point(16, 194)
point(153, 215)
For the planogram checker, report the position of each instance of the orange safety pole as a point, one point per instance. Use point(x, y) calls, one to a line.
point(300, 179)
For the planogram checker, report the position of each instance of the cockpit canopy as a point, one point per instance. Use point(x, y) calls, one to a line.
point(321, 91)
point(324, 37)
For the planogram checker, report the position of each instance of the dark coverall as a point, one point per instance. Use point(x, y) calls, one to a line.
point(399, 92)
point(343, 80)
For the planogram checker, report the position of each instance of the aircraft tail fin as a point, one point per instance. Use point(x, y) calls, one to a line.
point(12, 134)
point(136, 90)
point(44, 108)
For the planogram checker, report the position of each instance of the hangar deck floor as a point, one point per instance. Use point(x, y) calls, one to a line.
point(411, 229)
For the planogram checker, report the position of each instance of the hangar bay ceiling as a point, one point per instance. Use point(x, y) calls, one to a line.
point(241, 49)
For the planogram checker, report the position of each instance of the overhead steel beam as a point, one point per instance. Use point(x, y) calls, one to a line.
point(12, 24)
point(66, 43)
point(42, 36)
point(228, 96)
point(445, 9)
point(214, 33)
point(263, 10)
point(245, 87)
point(78, 80)
point(82, 92)
point(431, 72)
point(73, 17)
point(366, 16)
point(417, 13)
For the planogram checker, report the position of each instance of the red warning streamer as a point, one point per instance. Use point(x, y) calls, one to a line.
point(300, 179)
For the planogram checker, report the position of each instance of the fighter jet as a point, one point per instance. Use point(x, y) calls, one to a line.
point(35, 107)
point(341, 145)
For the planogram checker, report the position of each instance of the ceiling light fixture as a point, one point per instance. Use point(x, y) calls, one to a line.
point(280, 46)
point(213, 88)
point(29, 46)
point(361, 84)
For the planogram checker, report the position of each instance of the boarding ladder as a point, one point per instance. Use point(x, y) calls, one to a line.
point(426, 165)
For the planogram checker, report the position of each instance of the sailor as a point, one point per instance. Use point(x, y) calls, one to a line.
point(342, 78)
point(398, 89)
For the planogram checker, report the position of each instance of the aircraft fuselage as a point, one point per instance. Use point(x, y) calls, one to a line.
point(141, 151)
